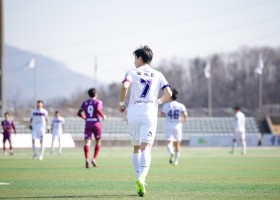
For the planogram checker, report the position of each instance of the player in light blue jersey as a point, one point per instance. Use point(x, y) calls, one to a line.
point(142, 110)
point(175, 114)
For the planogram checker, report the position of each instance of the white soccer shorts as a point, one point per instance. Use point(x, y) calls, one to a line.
point(142, 129)
point(173, 133)
point(238, 135)
point(38, 132)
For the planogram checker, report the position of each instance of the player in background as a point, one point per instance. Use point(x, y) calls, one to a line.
point(142, 110)
point(8, 127)
point(38, 124)
point(176, 114)
point(90, 111)
point(57, 131)
point(239, 130)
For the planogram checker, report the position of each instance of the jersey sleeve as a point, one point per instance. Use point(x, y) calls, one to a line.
point(163, 82)
point(128, 77)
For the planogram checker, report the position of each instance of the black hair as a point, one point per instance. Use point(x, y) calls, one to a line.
point(236, 108)
point(40, 101)
point(145, 53)
point(92, 92)
point(57, 111)
point(174, 94)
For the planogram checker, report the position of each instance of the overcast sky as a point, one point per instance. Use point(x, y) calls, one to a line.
point(74, 32)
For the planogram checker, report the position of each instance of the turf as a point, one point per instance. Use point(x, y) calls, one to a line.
point(207, 173)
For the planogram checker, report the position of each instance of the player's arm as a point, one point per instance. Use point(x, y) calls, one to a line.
point(13, 126)
point(47, 123)
point(123, 94)
point(30, 124)
point(81, 113)
point(100, 113)
point(167, 93)
point(184, 116)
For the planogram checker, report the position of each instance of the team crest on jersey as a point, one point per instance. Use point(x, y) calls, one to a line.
point(139, 73)
point(150, 134)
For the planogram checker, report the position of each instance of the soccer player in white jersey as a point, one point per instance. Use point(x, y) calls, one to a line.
point(176, 114)
point(57, 130)
point(38, 124)
point(142, 110)
point(239, 130)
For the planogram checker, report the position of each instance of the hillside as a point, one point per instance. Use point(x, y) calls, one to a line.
point(53, 78)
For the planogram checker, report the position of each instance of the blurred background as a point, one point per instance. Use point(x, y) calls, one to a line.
point(218, 54)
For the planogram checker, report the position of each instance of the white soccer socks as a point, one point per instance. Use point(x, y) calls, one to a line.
point(176, 158)
point(145, 162)
point(244, 145)
point(170, 149)
point(136, 164)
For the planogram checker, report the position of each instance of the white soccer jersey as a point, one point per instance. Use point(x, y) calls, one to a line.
point(239, 124)
point(146, 83)
point(57, 124)
point(173, 111)
point(39, 118)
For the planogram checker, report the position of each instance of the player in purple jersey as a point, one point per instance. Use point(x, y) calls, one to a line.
point(8, 126)
point(90, 111)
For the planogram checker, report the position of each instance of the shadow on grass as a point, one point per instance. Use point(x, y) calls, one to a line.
point(77, 196)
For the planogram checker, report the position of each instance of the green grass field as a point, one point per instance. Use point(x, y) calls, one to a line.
point(206, 173)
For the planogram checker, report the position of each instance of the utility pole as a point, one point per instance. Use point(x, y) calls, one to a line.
point(2, 61)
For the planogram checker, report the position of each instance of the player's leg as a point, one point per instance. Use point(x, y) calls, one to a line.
point(234, 143)
point(170, 150)
point(177, 133)
point(169, 144)
point(97, 135)
point(10, 143)
point(59, 145)
point(134, 129)
point(42, 149)
point(86, 150)
point(136, 160)
point(147, 136)
point(52, 147)
point(177, 152)
point(34, 137)
point(4, 144)
point(34, 148)
point(88, 138)
point(244, 145)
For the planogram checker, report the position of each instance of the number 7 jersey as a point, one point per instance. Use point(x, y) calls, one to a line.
point(146, 83)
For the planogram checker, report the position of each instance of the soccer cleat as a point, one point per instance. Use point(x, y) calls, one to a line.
point(140, 187)
point(94, 163)
point(87, 164)
point(11, 153)
point(40, 157)
point(5, 153)
point(35, 156)
point(176, 163)
point(171, 158)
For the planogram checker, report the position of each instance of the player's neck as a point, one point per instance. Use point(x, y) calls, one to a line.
point(144, 64)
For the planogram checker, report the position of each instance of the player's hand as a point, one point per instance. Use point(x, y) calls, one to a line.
point(30, 127)
point(104, 117)
point(122, 108)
